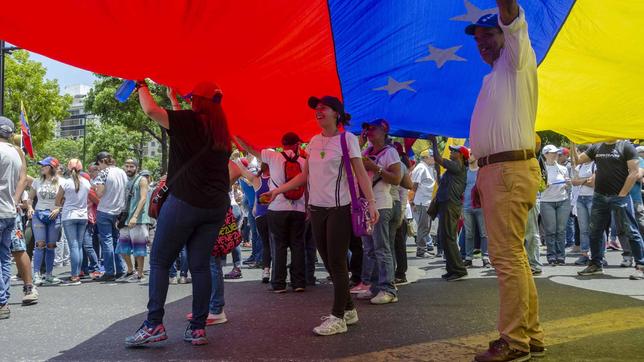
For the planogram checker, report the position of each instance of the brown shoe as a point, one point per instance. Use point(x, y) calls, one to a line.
point(537, 352)
point(500, 351)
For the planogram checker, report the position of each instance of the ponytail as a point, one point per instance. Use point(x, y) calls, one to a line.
point(76, 179)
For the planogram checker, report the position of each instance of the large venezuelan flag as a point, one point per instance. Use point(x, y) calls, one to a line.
point(408, 61)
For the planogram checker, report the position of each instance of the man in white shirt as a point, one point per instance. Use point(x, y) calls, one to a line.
point(424, 179)
point(502, 135)
point(286, 214)
point(110, 188)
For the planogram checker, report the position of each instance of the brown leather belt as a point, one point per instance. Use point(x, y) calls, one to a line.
point(518, 155)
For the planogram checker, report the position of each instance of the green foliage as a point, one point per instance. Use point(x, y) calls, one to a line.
point(113, 138)
point(553, 138)
point(61, 148)
point(129, 115)
point(154, 166)
point(25, 81)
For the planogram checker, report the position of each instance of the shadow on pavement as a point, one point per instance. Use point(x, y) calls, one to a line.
point(266, 326)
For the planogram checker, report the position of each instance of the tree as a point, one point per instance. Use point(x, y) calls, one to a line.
point(101, 102)
point(25, 81)
point(113, 138)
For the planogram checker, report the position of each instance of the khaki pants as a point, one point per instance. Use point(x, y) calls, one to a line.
point(508, 191)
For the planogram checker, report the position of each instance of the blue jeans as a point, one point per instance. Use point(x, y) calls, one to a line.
point(183, 264)
point(622, 207)
point(554, 216)
point(217, 301)
point(180, 224)
point(532, 238)
point(6, 227)
point(257, 252)
point(108, 234)
point(570, 231)
point(584, 206)
point(378, 262)
point(90, 255)
point(474, 220)
point(46, 234)
point(75, 233)
point(237, 251)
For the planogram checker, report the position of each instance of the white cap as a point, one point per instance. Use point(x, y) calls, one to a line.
point(549, 149)
point(639, 149)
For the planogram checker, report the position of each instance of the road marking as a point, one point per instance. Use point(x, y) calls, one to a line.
point(558, 331)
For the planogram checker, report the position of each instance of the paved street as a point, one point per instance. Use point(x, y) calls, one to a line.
point(598, 319)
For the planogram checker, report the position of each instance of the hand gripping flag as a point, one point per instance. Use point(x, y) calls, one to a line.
point(25, 132)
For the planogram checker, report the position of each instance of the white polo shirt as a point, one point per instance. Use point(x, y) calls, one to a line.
point(506, 108)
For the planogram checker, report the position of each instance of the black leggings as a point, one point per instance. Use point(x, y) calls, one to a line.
point(332, 233)
point(262, 228)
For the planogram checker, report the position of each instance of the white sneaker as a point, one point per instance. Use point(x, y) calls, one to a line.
point(384, 298)
point(38, 279)
point(331, 325)
point(214, 319)
point(365, 295)
point(351, 316)
point(638, 274)
point(183, 280)
point(173, 280)
point(627, 262)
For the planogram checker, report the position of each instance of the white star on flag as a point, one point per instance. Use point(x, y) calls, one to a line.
point(473, 13)
point(442, 56)
point(393, 86)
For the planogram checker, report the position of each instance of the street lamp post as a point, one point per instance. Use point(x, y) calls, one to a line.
point(3, 50)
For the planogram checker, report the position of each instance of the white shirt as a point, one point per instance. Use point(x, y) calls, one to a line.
point(328, 185)
point(75, 206)
point(584, 171)
point(46, 192)
point(506, 108)
point(382, 190)
point(115, 181)
point(425, 177)
point(10, 166)
point(556, 190)
point(275, 161)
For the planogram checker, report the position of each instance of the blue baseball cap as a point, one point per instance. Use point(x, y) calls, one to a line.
point(49, 161)
point(381, 123)
point(7, 128)
point(485, 21)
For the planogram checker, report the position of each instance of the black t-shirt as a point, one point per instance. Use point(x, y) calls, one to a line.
point(612, 165)
point(205, 183)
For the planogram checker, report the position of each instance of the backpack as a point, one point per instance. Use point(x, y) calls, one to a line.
point(292, 168)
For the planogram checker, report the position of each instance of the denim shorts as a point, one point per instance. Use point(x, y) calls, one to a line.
point(18, 237)
point(133, 241)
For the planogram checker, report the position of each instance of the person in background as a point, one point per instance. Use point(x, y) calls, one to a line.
point(555, 206)
point(45, 220)
point(72, 196)
point(449, 194)
point(473, 217)
point(584, 183)
point(399, 234)
point(134, 236)
point(424, 178)
point(13, 173)
point(110, 185)
point(90, 266)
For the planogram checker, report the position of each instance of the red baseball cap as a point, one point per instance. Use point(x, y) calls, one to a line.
point(462, 150)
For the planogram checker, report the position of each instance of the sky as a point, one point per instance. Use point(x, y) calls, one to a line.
point(66, 74)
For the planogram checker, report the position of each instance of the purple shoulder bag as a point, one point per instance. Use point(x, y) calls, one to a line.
point(359, 205)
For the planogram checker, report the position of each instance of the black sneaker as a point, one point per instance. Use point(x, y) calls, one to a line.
point(561, 262)
point(537, 351)
point(468, 263)
point(552, 262)
point(499, 350)
point(454, 277)
point(400, 281)
point(536, 272)
point(592, 269)
point(146, 335)
point(446, 275)
point(105, 278)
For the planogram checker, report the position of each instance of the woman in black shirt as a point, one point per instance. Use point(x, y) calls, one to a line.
point(195, 209)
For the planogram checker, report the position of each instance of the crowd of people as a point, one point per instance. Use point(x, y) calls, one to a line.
point(294, 203)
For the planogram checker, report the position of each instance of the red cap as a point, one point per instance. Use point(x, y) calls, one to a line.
point(462, 150)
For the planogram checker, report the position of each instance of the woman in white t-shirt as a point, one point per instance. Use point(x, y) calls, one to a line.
point(383, 165)
point(584, 183)
point(72, 196)
point(45, 220)
point(555, 207)
point(330, 204)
